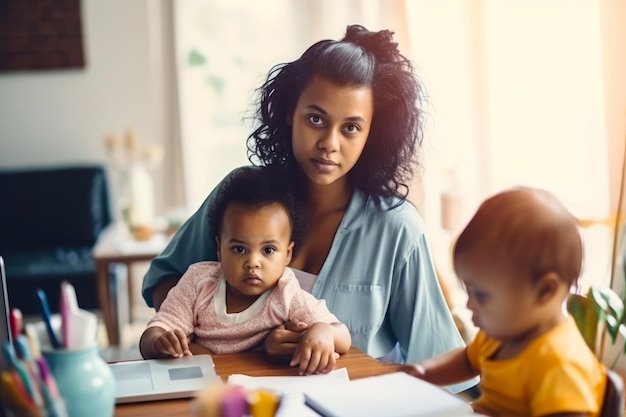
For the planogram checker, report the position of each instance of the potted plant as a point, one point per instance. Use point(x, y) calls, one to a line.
point(600, 315)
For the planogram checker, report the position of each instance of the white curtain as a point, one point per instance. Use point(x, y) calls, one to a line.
point(223, 49)
point(518, 92)
point(517, 95)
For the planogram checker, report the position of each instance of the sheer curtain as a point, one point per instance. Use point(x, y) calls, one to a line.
point(517, 93)
point(223, 50)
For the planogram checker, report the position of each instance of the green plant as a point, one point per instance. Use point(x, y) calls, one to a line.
point(598, 314)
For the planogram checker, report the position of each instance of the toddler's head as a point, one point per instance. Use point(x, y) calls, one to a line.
point(518, 257)
point(257, 224)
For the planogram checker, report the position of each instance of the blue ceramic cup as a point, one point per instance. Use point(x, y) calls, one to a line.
point(84, 380)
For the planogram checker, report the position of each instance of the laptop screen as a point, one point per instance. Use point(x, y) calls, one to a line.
point(5, 333)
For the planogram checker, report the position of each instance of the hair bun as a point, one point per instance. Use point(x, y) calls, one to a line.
point(380, 44)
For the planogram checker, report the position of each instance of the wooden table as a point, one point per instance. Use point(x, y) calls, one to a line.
point(358, 364)
point(113, 247)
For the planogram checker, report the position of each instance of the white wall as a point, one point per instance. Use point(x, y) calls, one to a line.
point(58, 117)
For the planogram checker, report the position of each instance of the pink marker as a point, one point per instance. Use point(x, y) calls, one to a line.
point(233, 402)
point(68, 307)
point(47, 378)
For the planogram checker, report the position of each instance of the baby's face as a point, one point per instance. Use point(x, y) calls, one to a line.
point(254, 247)
point(503, 301)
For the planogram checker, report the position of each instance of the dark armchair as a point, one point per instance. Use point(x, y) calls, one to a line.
point(50, 219)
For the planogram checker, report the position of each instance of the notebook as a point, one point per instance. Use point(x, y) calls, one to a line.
point(162, 379)
point(392, 395)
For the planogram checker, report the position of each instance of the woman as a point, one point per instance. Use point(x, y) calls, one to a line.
point(343, 120)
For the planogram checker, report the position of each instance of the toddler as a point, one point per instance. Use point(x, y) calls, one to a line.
point(231, 305)
point(518, 258)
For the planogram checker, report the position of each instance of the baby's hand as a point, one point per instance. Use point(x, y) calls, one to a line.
point(173, 343)
point(416, 370)
point(315, 353)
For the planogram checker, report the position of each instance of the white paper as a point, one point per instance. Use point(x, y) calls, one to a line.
point(391, 395)
point(292, 388)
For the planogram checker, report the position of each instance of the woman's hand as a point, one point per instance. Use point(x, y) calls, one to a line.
point(282, 342)
point(316, 353)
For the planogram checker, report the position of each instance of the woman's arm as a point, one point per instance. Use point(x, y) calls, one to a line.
point(342, 337)
point(161, 289)
point(193, 242)
point(418, 313)
point(280, 345)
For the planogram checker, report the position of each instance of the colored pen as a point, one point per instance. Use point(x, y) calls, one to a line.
point(22, 349)
point(47, 317)
point(33, 340)
point(55, 406)
point(47, 378)
point(14, 390)
point(15, 322)
point(24, 374)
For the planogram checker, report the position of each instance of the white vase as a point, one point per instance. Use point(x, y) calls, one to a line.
point(141, 207)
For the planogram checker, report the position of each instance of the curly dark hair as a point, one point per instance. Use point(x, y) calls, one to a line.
point(361, 58)
point(256, 188)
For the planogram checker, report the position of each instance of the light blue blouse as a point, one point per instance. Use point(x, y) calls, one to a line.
point(378, 278)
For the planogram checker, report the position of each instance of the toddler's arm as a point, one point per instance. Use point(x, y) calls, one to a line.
point(156, 342)
point(319, 348)
point(448, 368)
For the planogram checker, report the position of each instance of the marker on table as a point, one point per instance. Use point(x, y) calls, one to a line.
point(233, 402)
point(47, 378)
point(78, 326)
point(68, 306)
point(15, 323)
point(23, 373)
point(14, 390)
point(263, 403)
point(47, 318)
point(33, 340)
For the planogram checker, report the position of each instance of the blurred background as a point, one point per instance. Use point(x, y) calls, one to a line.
point(518, 92)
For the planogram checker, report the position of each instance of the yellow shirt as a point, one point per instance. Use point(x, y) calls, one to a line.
point(556, 373)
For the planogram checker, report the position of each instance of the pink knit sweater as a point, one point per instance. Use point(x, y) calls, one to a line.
point(197, 306)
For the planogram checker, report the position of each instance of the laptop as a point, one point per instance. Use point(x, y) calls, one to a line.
point(5, 332)
point(162, 379)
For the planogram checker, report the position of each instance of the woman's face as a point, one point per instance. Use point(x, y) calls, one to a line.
point(330, 127)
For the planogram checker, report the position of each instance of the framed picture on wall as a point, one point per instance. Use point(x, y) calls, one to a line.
point(40, 35)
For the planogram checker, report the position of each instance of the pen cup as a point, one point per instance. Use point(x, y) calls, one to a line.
point(84, 381)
